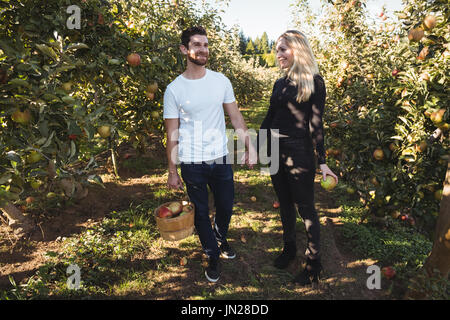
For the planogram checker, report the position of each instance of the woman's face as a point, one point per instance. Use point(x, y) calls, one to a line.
point(285, 55)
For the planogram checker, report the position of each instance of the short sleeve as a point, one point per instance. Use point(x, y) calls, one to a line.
point(229, 93)
point(170, 105)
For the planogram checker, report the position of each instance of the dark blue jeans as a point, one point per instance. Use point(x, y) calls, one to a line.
point(219, 178)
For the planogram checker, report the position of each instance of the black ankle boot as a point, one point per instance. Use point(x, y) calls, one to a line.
point(287, 256)
point(310, 274)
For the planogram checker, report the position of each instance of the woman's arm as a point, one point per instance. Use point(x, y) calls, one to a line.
point(316, 125)
point(315, 121)
point(266, 124)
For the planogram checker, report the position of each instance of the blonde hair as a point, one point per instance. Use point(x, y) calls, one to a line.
point(304, 67)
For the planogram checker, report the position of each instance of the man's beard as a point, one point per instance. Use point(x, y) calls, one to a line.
point(198, 62)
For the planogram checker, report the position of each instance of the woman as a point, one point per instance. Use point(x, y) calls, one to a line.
point(296, 109)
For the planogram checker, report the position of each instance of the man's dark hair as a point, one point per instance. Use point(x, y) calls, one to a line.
point(188, 33)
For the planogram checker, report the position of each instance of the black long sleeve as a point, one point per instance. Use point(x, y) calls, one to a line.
point(298, 119)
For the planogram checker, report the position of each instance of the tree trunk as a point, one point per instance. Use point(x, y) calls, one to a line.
point(440, 255)
point(439, 259)
point(16, 219)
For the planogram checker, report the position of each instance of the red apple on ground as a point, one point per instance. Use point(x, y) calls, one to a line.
point(276, 204)
point(329, 183)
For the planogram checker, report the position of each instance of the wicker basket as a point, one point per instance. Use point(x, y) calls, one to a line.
point(178, 228)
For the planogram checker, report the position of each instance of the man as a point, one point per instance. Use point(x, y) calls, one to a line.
point(194, 105)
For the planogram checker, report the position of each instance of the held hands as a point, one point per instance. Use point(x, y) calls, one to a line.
point(327, 171)
point(250, 157)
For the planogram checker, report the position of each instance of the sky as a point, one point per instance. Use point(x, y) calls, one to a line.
point(273, 16)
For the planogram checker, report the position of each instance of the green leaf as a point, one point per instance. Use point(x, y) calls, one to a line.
point(76, 46)
point(47, 51)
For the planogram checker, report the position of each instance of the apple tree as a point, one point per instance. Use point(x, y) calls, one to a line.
point(69, 93)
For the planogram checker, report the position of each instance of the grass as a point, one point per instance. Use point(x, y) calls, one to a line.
point(123, 255)
point(391, 243)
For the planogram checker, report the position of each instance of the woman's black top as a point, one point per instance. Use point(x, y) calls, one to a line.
point(298, 119)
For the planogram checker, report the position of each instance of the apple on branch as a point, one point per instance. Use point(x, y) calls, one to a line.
point(134, 59)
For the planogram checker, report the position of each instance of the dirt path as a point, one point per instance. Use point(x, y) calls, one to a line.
point(255, 233)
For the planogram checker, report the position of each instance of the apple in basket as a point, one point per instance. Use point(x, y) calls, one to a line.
point(176, 207)
point(186, 209)
point(164, 212)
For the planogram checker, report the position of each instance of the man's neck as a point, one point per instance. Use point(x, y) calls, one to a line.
point(194, 71)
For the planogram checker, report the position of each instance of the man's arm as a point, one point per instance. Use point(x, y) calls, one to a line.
point(172, 126)
point(237, 120)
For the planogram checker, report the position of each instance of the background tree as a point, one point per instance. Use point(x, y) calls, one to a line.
point(264, 44)
point(250, 48)
point(243, 41)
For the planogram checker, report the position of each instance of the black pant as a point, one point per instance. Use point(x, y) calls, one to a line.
point(294, 184)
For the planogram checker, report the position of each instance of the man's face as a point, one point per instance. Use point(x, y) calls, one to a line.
point(197, 51)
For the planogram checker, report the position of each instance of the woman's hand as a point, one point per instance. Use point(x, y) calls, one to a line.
point(327, 171)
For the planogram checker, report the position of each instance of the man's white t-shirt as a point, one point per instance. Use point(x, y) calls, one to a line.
point(199, 106)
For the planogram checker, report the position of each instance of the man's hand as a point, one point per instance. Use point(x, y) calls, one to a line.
point(250, 158)
point(174, 181)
